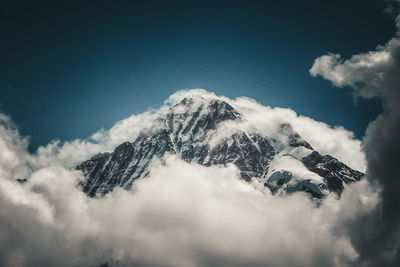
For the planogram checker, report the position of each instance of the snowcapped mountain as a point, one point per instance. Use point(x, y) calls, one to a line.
point(193, 129)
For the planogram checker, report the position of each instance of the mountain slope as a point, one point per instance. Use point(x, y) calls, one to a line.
point(192, 130)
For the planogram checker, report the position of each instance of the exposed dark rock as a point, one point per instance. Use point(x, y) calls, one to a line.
point(332, 170)
point(184, 132)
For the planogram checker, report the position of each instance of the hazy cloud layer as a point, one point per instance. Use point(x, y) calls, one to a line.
point(183, 214)
point(375, 74)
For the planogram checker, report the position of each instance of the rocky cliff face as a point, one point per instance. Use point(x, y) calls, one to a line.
point(286, 165)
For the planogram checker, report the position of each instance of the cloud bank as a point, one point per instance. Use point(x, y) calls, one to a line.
point(183, 214)
point(375, 74)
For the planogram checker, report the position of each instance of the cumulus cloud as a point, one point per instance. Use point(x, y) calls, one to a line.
point(13, 156)
point(182, 215)
point(371, 74)
point(375, 74)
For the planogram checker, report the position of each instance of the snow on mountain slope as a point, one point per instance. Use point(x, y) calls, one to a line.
point(195, 129)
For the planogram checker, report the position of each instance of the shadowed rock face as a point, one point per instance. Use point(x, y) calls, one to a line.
point(333, 171)
point(250, 153)
point(128, 162)
point(185, 129)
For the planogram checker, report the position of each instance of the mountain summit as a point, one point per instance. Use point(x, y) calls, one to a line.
point(195, 129)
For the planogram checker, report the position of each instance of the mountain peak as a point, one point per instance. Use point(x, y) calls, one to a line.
point(212, 105)
point(190, 129)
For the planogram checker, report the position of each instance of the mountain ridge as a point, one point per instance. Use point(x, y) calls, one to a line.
point(186, 128)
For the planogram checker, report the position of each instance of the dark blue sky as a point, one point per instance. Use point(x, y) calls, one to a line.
point(70, 68)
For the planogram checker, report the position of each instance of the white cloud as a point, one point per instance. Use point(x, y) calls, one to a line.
point(182, 215)
point(371, 74)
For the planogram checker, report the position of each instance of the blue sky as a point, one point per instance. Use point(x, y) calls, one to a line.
point(68, 69)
